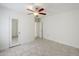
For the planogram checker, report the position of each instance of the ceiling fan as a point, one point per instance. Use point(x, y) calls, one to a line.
point(36, 11)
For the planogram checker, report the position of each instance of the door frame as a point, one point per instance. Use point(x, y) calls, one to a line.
point(10, 31)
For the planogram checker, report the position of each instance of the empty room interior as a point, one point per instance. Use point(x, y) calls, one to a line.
point(39, 29)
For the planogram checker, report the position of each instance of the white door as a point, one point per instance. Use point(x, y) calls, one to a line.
point(14, 32)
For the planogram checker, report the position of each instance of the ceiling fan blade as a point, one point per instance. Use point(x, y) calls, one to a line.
point(29, 13)
point(30, 10)
point(43, 13)
point(40, 9)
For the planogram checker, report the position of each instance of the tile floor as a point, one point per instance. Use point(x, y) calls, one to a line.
point(41, 47)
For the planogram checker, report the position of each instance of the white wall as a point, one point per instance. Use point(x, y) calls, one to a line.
point(26, 27)
point(63, 27)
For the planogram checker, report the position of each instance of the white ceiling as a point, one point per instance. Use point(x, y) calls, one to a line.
point(50, 7)
point(54, 8)
point(15, 6)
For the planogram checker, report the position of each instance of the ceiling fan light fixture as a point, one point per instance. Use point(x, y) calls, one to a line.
point(35, 14)
point(36, 10)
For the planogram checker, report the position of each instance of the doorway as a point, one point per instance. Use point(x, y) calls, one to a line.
point(14, 34)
